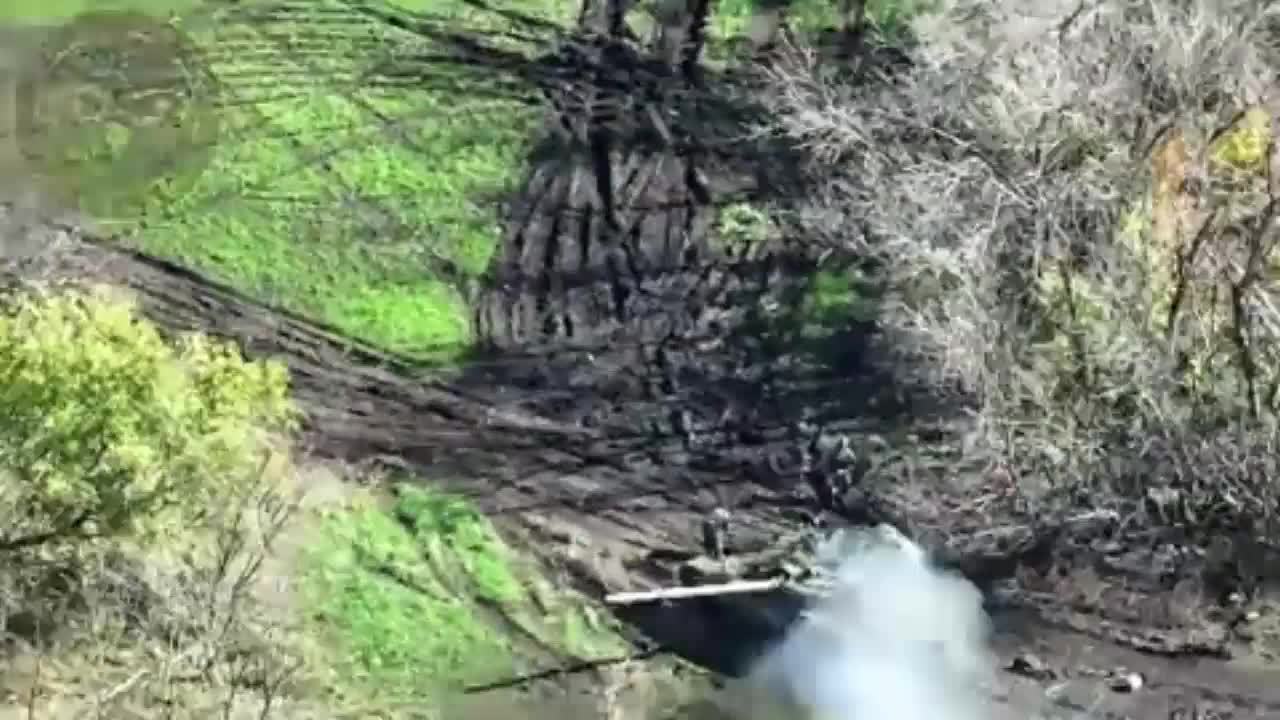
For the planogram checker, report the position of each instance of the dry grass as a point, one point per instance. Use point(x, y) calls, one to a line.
point(113, 629)
point(1076, 214)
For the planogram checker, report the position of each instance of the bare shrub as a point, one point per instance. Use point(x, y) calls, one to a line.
point(148, 631)
point(1076, 212)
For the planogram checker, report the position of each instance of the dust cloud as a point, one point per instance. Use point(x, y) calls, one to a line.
point(898, 639)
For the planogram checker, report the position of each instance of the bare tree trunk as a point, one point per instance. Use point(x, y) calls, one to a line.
point(699, 20)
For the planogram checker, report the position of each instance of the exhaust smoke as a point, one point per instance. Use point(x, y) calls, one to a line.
point(897, 639)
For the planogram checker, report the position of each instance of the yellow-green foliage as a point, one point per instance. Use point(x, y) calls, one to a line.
point(742, 225)
point(1083, 317)
point(1075, 309)
point(1156, 233)
point(107, 428)
point(1244, 147)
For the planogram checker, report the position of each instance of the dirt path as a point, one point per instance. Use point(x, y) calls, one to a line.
point(1085, 677)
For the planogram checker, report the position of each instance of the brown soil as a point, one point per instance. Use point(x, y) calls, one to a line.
point(618, 509)
point(630, 385)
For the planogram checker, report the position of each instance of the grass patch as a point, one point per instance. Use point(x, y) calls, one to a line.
point(836, 298)
point(823, 320)
point(740, 226)
point(828, 302)
point(420, 597)
point(352, 239)
point(338, 201)
point(41, 12)
point(732, 17)
point(817, 316)
point(362, 207)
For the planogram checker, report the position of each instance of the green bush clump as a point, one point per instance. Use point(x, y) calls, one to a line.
point(106, 428)
point(1245, 146)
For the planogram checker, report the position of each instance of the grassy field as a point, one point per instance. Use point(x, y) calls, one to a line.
point(321, 195)
point(41, 12)
point(349, 240)
point(421, 598)
point(332, 199)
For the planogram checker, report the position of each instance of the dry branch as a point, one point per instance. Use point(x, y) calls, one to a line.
point(1109, 318)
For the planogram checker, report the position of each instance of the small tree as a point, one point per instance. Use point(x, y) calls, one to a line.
point(106, 428)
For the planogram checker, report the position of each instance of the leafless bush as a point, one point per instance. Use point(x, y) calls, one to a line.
point(1076, 213)
point(177, 631)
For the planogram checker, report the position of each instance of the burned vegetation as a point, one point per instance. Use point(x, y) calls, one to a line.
point(656, 386)
point(711, 403)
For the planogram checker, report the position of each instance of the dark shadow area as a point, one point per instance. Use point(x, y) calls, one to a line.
point(696, 368)
point(637, 366)
point(726, 635)
point(611, 252)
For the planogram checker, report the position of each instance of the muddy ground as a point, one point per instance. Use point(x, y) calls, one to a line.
point(573, 452)
point(633, 378)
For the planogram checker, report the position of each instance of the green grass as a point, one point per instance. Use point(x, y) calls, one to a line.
point(310, 254)
point(836, 298)
point(829, 301)
point(400, 594)
point(49, 11)
point(734, 16)
point(741, 225)
point(819, 318)
point(265, 217)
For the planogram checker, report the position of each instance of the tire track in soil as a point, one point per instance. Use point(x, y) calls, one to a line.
point(619, 397)
point(612, 308)
point(560, 482)
point(611, 329)
point(361, 403)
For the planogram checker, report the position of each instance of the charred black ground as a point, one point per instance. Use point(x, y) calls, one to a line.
point(636, 372)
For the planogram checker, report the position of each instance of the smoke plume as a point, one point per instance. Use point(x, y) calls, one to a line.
point(897, 639)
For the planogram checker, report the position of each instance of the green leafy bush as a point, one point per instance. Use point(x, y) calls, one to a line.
point(106, 428)
point(743, 225)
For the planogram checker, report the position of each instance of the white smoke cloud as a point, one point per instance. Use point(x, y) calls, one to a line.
point(898, 639)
